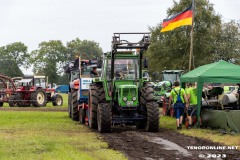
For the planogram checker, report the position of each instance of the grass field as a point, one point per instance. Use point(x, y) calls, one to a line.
point(49, 135)
point(213, 135)
point(53, 135)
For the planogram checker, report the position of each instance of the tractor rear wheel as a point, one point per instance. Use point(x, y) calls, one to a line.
point(69, 105)
point(93, 101)
point(104, 117)
point(152, 124)
point(74, 102)
point(12, 101)
point(39, 98)
point(57, 100)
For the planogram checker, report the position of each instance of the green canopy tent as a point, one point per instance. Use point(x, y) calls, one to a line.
point(218, 72)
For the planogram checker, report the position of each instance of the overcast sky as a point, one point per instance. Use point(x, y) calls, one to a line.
point(34, 21)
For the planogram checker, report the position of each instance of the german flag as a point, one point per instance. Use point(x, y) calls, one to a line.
point(181, 19)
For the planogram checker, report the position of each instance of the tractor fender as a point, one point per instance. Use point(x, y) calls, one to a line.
point(33, 88)
point(75, 84)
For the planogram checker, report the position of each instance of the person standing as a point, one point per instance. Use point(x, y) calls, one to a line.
point(188, 87)
point(192, 109)
point(179, 98)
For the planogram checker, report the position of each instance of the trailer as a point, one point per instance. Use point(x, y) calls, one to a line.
point(7, 90)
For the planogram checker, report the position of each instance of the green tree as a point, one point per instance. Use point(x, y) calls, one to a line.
point(12, 57)
point(87, 49)
point(170, 50)
point(18, 52)
point(227, 43)
point(10, 68)
point(63, 79)
point(48, 60)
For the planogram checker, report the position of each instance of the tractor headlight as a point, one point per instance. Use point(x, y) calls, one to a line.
point(134, 98)
point(125, 99)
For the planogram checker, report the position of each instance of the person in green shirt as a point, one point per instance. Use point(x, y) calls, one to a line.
point(179, 103)
point(187, 87)
point(192, 109)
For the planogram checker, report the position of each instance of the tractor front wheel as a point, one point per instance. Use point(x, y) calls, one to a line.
point(150, 109)
point(12, 101)
point(57, 100)
point(152, 124)
point(39, 98)
point(74, 108)
point(104, 117)
point(20, 100)
point(93, 100)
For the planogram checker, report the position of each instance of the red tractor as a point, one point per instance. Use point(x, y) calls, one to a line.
point(7, 89)
point(34, 90)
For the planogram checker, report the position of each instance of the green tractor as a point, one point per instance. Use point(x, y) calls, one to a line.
point(121, 95)
point(162, 89)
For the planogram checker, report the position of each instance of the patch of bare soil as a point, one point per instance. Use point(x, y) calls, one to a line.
point(163, 145)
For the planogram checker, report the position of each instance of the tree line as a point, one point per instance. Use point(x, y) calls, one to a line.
point(48, 59)
point(214, 40)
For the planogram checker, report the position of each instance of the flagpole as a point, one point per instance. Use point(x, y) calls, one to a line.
point(191, 43)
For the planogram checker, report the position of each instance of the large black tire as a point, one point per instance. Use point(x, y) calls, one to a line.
point(57, 100)
point(69, 105)
point(152, 124)
point(93, 101)
point(19, 99)
point(1, 104)
point(39, 98)
point(12, 101)
point(102, 96)
point(147, 93)
point(146, 100)
point(74, 108)
point(104, 117)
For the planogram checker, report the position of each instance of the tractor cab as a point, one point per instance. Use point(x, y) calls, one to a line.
point(32, 82)
point(125, 79)
point(171, 75)
point(124, 69)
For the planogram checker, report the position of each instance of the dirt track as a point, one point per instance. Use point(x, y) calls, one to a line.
point(166, 144)
point(163, 145)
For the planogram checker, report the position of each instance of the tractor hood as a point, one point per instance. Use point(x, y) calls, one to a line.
point(127, 95)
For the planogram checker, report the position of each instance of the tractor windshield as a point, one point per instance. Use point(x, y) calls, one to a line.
point(170, 77)
point(25, 82)
point(126, 69)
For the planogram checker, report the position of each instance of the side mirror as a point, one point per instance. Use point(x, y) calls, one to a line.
point(99, 63)
point(145, 63)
